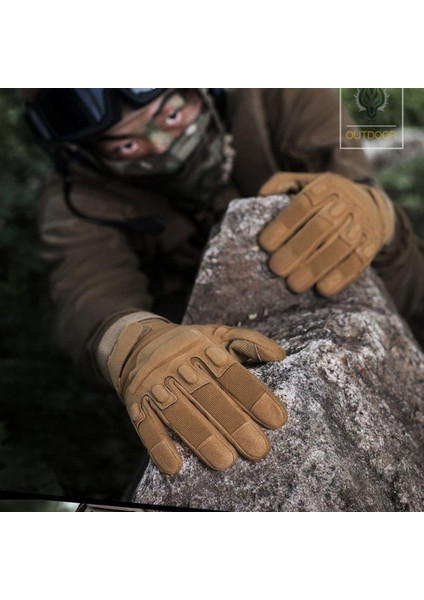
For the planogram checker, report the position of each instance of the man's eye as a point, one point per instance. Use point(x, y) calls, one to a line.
point(173, 117)
point(128, 147)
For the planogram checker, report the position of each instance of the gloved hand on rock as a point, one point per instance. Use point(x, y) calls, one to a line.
point(189, 378)
point(329, 233)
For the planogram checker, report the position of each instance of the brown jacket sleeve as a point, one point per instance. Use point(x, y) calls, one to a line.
point(304, 126)
point(401, 267)
point(94, 273)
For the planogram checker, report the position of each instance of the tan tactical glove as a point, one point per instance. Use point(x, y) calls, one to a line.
point(188, 377)
point(329, 233)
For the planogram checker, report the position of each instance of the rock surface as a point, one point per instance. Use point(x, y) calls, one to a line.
point(353, 383)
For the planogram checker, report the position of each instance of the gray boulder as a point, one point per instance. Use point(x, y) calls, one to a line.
point(353, 383)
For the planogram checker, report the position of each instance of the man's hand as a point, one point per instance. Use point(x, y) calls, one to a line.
point(329, 233)
point(189, 377)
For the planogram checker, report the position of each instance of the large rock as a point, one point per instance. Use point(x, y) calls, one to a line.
point(353, 383)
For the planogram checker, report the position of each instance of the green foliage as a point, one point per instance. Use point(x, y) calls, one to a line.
point(23, 168)
point(404, 183)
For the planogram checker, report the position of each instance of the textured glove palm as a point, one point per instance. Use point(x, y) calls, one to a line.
point(329, 233)
point(189, 377)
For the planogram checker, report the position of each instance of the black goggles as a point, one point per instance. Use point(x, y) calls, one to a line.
point(74, 114)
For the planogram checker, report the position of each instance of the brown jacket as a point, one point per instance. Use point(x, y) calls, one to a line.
point(99, 273)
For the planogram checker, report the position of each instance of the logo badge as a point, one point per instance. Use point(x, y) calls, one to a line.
point(374, 117)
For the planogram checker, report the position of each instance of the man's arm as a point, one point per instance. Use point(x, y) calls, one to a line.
point(94, 275)
point(187, 378)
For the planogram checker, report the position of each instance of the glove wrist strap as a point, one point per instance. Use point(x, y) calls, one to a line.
point(110, 337)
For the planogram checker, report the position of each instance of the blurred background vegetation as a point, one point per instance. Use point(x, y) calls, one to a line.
point(58, 436)
point(403, 180)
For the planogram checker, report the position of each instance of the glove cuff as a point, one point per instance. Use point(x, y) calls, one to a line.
point(111, 335)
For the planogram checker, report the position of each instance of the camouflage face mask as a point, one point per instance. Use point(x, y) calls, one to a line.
point(194, 165)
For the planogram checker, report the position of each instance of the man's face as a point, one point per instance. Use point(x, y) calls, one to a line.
point(152, 129)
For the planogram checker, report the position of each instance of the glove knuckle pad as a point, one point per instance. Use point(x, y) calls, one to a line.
point(188, 374)
point(218, 356)
point(162, 396)
point(136, 414)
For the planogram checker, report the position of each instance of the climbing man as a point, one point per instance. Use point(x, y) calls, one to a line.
point(142, 175)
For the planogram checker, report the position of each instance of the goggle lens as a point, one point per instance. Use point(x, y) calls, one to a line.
point(69, 114)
